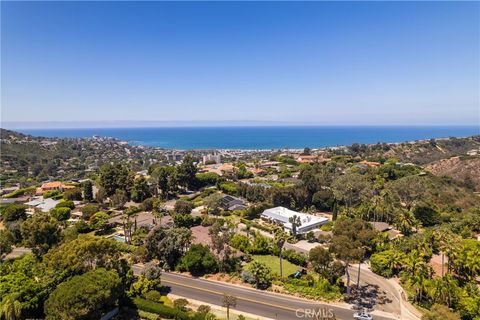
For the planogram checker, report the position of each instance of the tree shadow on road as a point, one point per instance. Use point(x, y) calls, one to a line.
point(368, 296)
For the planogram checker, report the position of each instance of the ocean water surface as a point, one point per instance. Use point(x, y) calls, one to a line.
point(265, 137)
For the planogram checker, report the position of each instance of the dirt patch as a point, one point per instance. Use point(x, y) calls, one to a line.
point(201, 236)
point(227, 278)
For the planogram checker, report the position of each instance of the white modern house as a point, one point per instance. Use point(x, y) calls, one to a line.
point(281, 215)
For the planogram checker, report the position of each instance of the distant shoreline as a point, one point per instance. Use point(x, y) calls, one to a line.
point(262, 138)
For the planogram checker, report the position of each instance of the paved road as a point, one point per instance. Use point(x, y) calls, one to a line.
point(253, 301)
point(381, 293)
point(385, 296)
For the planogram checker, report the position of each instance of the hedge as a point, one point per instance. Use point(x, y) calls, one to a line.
point(19, 192)
point(160, 309)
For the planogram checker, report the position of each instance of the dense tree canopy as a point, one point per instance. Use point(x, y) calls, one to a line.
point(198, 260)
point(168, 245)
point(115, 177)
point(41, 232)
point(86, 296)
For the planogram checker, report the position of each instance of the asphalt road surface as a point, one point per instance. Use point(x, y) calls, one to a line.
point(376, 290)
point(262, 303)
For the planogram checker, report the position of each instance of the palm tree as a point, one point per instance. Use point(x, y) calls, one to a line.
point(158, 210)
point(445, 290)
point(417, 282)
point(280, 238)
point(420, 271)
point(448, 242)
point(405, 222)
point(296, 222)
point(397, 260)
point(248, 228)
point(10, 309)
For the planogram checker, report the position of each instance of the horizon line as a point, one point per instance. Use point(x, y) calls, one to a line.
point(131, 124)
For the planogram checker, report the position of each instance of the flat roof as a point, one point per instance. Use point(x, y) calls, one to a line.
point(283, 214)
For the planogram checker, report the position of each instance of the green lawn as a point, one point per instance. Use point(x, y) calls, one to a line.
point(273, 263)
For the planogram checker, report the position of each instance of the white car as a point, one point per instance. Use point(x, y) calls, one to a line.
point(362, 316)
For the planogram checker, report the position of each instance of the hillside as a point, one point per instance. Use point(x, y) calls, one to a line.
point(30, 158)
point(419, 152)
point(462, 169)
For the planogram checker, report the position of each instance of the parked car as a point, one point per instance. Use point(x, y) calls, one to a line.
point(362, 316)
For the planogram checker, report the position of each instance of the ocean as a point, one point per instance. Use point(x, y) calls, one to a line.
point(265, 137)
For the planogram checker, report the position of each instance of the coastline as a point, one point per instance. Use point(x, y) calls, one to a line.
point(261, 139)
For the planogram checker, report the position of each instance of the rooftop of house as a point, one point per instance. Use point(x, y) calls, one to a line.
point(52, 185)
point(381, 226)
point(370, 163)
point(283, 214)
point(229, 198)
point(43, 204)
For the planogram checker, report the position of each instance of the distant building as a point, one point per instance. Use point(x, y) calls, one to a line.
point(281, 215)
point(7, 201)
point(174, 157)
point(370, 163)
point(311, 158)
point(233, 203)
point(211, 158)
point(41, 204)
point(222, 169)
point(53, 185)
point(142, 173)
point(8, 190)
point(386, 228)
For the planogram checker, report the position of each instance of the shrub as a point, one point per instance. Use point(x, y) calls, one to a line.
point(260, 245)
point(438, 311)
point(73, 194)
point(186, 220)
point(228, 187)
point(319, 289)
point(60, 213)
point(160, 309)
point(210, 221)
point(147, 204)
point(19, 192)
point(294, 257)
point(88, 211)
point(66, 204)
point(180, 304)
point(82, 227)
point(198, 260)
point(247, 276)
point(327, 226)
point(204, 309)
point(51, 194)
point(183, 207)
point(240, 242)
point(153, 295)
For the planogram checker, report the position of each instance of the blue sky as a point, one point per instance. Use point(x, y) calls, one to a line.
point(305, 62)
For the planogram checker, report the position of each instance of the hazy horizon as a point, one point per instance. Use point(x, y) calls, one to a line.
point(125, 124)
